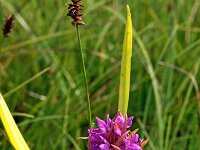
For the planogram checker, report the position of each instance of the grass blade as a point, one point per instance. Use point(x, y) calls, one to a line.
point(126, 66)
point(12, 130)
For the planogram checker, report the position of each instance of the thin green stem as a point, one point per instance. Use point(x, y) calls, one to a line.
point(85, 77)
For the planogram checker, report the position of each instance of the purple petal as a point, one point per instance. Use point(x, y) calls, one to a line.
point(135, 138)
point(117, 130)
point(101, 124)
point(108, 120)
point(134, 147)
point(130, 145)
point(129, 121)
point(120, 121)
point(94, 130)
point(105, 145)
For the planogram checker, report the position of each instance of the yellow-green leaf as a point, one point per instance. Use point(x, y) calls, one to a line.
point(11, 128)
point(125, 66)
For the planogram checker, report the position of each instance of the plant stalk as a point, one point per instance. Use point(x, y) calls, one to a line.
point(85, 77)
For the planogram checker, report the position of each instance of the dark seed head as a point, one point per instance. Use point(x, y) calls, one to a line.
point(75, 1)
point(74, 12)
point(8, 25)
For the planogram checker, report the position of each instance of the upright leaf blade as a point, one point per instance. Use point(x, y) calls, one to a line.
point(125, 66)
point(12, 130)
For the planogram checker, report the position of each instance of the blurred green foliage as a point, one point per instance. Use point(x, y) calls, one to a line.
point(168, 31)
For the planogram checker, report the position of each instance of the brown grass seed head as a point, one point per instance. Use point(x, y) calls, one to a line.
point(74, 12)
point(8, 25)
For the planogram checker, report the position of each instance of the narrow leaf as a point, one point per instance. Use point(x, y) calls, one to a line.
point(12, 130)
point(125, 66)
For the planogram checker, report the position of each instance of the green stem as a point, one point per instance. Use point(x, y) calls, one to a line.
point(85, 77)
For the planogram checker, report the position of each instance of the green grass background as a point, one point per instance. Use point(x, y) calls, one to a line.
point(42, 83)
